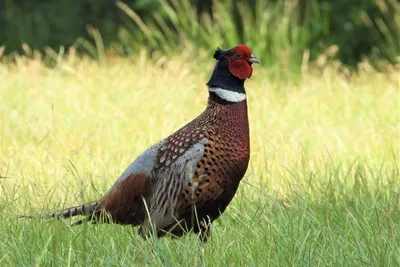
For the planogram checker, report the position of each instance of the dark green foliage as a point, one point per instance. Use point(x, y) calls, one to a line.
point(56, 23)
point(278, 27)
point(362, 28)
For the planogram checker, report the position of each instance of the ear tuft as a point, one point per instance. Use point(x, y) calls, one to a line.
point(218, 53)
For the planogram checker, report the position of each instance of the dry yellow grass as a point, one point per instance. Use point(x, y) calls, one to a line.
point(75, 128)
point(323, 186)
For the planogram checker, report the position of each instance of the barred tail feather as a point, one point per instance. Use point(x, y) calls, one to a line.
point(85, 210)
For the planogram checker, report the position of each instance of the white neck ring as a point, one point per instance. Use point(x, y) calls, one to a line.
point(227, 95)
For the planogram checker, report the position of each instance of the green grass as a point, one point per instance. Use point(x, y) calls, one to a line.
point(286, 33)
point(323, 186)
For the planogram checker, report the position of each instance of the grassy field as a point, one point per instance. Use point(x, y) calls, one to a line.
point(322, 189)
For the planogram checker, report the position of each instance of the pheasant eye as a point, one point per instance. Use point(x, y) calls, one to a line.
point(238, 55)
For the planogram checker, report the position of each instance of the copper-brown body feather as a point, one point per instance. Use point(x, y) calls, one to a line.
point(187, 180)
point(124, 203)
point(215, 178)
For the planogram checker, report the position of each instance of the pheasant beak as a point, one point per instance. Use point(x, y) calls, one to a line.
point(254, 59)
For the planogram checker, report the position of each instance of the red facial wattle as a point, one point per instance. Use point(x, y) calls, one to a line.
point(240, 68)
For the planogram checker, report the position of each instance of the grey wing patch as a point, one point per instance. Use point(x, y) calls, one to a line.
point(170, 183)
point(145, 163)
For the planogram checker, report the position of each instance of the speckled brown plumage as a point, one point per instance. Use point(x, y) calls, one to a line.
point(185, 181)
point(221, 167)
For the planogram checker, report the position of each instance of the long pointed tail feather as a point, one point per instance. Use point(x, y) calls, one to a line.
point(84, 210)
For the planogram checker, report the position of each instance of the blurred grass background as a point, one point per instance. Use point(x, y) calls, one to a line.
point(87, 86)
point(283, 32)
point(322, 187)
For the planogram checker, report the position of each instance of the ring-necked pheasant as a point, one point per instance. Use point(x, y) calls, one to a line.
point(185, 181)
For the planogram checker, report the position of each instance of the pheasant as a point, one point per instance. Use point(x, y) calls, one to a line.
point(186, 181)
